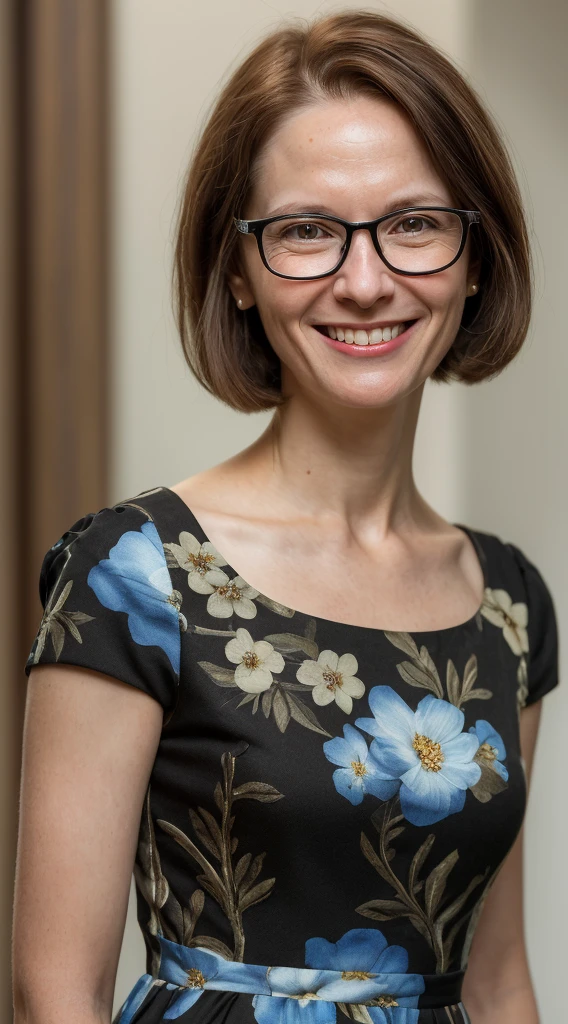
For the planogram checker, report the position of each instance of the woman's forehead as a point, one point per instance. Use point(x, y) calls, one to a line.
point(345, 149)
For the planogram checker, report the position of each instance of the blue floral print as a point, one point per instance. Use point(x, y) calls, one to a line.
point(367, 968)
point(135, 579)
point(296, 999)
point(135, 999)
point(393, 1015)
point(358, 772)
point(424, 751)
point(491, 746)
point(192, 970)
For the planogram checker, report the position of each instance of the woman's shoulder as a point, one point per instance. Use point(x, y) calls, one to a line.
point(519, 598)
point(94, 532)
point(107, 595)
point(505, 557)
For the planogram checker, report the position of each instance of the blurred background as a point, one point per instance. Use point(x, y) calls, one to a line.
point(100, 104)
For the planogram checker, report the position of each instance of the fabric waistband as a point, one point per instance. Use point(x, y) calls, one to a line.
point(200, 968)
point(188, 971)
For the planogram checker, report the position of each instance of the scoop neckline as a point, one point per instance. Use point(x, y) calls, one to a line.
point(481, 556)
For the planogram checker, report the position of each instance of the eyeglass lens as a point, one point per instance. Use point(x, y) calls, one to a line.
point(417, 241)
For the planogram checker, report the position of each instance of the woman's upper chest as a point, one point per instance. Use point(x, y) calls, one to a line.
point(412, 584)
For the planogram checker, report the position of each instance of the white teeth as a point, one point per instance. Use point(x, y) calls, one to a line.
point(362, 337)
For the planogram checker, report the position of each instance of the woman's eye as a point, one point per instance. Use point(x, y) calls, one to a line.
point(411, 224)
point(417, 225)
point(305, 232)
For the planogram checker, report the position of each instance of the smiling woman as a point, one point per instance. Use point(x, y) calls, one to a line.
point(322, 751)
point(447, 152)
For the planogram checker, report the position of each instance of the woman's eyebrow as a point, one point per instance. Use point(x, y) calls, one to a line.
point(399, 202)
point(302, 208)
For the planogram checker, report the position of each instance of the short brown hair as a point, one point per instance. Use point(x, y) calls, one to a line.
point(338, 56)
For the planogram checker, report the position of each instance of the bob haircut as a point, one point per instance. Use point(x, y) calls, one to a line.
point(339, 56)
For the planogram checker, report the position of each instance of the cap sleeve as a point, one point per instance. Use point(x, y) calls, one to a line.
point(542, 629)
point(109, 603)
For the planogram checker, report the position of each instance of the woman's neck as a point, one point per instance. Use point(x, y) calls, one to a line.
point(352, 463)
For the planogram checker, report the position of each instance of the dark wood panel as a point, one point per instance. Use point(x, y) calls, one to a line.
point(54, 338)
point(10, 578)
point(66, 322)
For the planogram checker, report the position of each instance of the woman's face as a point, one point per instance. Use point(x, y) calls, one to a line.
point(357, 159)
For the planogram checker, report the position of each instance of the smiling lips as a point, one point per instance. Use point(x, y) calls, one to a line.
point(360, 336)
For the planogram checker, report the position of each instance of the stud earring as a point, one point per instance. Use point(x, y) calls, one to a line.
point(240, 303)
point(473, 289)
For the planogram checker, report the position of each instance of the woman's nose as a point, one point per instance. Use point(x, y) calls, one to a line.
point(363, 278)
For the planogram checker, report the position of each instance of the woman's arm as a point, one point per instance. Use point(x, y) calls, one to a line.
point(89, 746)
point(497, 987)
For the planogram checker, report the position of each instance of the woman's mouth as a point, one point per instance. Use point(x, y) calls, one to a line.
point(361, 336)
point(366, 341)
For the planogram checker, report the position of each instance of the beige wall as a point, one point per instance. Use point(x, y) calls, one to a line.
point(517, 426)
point(489, 456)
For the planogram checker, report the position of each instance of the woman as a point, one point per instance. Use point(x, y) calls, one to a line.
point(303, 703)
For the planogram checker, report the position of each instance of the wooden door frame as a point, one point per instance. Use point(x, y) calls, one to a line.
point(54, 284)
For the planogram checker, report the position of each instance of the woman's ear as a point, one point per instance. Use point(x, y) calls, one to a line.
point(240, 289)
point(473, 273)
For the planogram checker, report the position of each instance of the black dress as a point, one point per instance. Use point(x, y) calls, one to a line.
point(329, 803)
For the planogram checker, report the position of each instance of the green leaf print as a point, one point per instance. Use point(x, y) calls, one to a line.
point(231, 885)
point(421, 900)
point(55, 621)
point(421, 672)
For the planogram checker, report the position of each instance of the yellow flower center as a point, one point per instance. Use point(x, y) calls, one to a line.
point(195, 979)
point(429, 752)
point(488, 752)
point(511, 623)
point(332, 679)
point(386, 1001)
point(250, 659)
point(355, 976)
point(230, 591)
point(201, 562)
point(358, 768)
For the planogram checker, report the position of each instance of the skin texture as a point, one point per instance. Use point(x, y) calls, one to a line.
point(321, 513)
point(89, 745)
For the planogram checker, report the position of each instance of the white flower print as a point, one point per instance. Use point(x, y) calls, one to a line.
point(499, 609)
point(199, 561)
point(333, 678)
point(255, 661)
point(202, 563)
point(228, 597)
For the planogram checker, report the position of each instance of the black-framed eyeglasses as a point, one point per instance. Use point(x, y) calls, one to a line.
point(417, 240)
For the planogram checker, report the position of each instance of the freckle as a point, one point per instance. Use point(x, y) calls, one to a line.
point(308, 471)
point(310, 140)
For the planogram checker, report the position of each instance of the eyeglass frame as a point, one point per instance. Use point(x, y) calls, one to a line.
point(256, 228)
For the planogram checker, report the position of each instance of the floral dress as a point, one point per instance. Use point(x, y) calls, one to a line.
point(329, 803)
